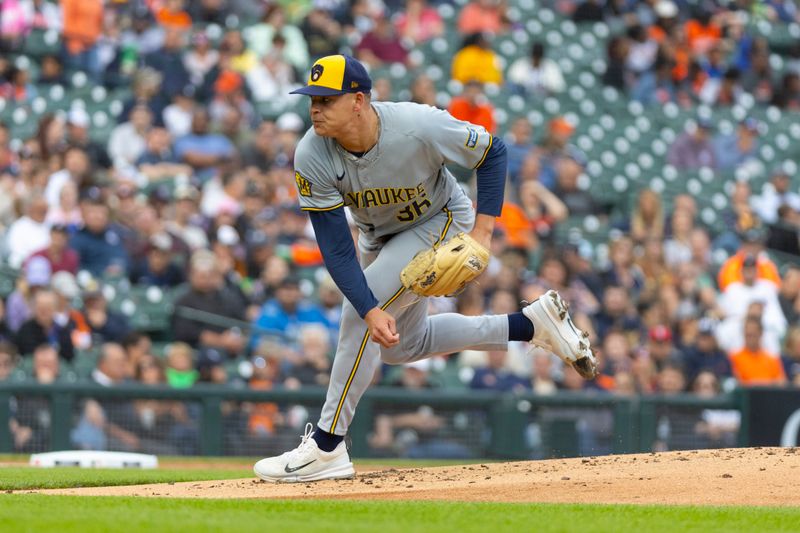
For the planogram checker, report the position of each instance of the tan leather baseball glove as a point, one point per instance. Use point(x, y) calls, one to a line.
point(444, 270)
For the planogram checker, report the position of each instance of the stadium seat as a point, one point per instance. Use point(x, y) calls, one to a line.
point(40, 43)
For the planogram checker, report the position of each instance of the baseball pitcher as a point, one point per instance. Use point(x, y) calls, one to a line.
point(419, 236)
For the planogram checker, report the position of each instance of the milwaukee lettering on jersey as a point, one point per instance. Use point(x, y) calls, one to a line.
point(383, 196)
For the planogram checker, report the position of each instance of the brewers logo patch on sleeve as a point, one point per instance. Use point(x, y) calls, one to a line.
point(472, 138)
point(303, 185)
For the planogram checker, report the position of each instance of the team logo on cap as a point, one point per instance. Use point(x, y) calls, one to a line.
point(316, 72)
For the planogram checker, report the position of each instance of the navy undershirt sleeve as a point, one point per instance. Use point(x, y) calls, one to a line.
point(339, 253)
point(492, 179)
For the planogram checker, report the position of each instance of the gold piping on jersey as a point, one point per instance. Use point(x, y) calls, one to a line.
point(366, 333)
point(318, 209)
point(358, 362)
point(485, 153)
point(446, 226)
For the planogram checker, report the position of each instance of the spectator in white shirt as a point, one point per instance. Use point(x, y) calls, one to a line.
point(678, 248)
point(740, 299)
point(29, 233)
point(200, 59)
point(128, 140)
point(178, 115)
point(77, 169)
point(775, 194)
point(260, 37)
point(537, 75)
point(271, 79)
point(43, 15)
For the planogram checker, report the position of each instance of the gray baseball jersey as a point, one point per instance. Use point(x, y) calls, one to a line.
point(399, 183)
point(402, 198)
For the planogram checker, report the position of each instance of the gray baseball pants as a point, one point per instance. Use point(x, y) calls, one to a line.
point(421, 336)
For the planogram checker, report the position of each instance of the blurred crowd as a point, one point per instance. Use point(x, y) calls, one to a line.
point(192, 195)
point(699, 52)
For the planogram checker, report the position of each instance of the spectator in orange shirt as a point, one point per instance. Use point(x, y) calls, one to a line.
point(753, 365)
point(533, 218)
point(702, 32)
point(482, 15)
point(473, 106)
point(173, 15)
point(517, 227)
point(731, 270)
point(83, 25)
point(666, 16)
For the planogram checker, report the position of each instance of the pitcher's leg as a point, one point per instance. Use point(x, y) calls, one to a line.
point(357, 356)
point(354, 365)
point(422, 336)
point(451, 332)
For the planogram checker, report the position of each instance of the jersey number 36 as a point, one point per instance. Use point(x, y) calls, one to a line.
point(413, 210)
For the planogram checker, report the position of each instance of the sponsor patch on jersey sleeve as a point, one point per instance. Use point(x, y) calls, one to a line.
point(303, 185)
point(472, 138)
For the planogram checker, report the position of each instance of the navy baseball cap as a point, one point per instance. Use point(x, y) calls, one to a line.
point(334, 75)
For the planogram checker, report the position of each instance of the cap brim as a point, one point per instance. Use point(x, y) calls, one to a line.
point(316, 90)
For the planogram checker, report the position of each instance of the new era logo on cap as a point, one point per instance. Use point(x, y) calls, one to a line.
point(333, 75)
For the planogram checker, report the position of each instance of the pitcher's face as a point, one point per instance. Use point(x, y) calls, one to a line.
point(331, 115)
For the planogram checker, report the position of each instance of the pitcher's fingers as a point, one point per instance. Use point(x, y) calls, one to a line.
point(393, 340)
point(383, 337)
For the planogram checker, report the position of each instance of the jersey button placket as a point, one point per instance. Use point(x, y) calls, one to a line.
point(362, 177)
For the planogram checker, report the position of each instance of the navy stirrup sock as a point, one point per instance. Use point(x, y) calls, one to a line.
point(520, 328)
point(327, 442)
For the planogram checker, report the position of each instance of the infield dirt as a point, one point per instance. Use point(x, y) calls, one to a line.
point(751, 476)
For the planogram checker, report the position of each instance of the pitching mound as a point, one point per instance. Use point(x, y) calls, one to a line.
point(754, 476)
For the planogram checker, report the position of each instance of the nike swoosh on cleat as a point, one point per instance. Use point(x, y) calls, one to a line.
point(295, 469)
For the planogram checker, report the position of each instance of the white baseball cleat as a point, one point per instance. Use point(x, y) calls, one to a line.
point(306, 463)
point(555, 332)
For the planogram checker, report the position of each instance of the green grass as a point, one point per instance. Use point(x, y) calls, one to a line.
point(80, 514)
point(23, 512)
point(19, 478)
point(24, 477)
point(249, 461)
